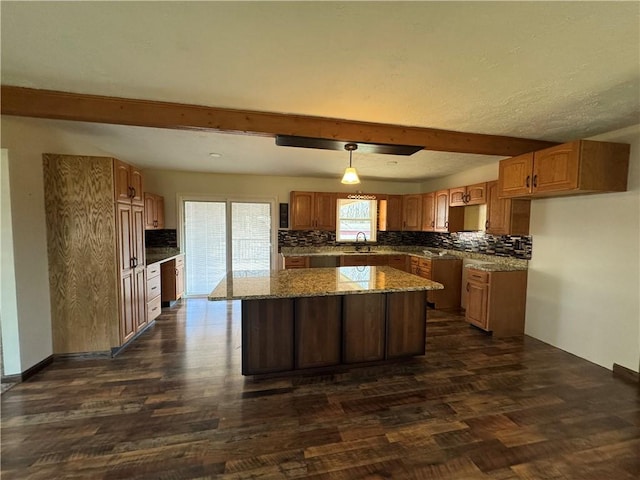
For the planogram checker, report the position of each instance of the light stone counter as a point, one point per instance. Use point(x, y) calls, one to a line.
point(495, 267)
point(317, 282)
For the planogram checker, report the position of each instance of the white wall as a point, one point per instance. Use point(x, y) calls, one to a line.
point(30, 293)
point(8, 296)
point(170, 184)
point(584, 277)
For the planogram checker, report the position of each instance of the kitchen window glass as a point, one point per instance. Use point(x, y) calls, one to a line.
point(354, 218)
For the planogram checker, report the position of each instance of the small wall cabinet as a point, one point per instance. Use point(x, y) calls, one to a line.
point(412, 212)
point(153, 211)
point(582, 166)
point(496, 301)
point(506, 216)
point(313, 211)
point(469, 195)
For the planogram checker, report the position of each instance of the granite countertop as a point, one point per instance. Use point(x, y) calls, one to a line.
point(496, 267)
point(500, 263)
point(155, 255)
point(340, 251)
point(317, 282)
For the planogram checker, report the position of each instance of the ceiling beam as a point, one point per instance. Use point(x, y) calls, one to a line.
point(29, 102)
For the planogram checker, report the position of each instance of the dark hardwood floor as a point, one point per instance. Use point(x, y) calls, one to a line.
point(174, 406)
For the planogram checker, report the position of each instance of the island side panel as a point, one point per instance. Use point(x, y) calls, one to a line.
point(364, 321)
point(267, 335)
point(406, 324)
point(318, 331)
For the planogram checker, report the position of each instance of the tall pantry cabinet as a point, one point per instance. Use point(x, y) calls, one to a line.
point(95, 242)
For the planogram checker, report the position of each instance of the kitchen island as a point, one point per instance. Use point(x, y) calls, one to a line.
point(326, 318)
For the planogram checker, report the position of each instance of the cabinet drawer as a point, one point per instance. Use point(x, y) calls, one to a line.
point(477, 276)
point(296, 262)
point(415, 261)
point(153, 287)
point(154, 308)
point(153, 270)
point(180, 260)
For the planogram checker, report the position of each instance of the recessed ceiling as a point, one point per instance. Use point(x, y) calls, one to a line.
point(546, 70)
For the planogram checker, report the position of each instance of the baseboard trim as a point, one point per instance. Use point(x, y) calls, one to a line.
point(626, 374)
point(29, 372)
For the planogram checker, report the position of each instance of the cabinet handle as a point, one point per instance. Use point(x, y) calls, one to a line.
point(486, 225)
point(535, 181)
point(176, 272)
point(467, 286)
point(131, 265)
point(446, 224)
point(528, 181)
point(433, 224)
point(466, 198)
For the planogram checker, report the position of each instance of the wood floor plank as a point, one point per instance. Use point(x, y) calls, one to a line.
point(174, 406)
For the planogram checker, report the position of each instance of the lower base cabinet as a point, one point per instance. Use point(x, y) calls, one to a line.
point(280, 335)
point(496, 301)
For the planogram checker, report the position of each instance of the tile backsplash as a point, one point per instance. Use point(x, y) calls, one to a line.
point(476, 242)
point(161, 238)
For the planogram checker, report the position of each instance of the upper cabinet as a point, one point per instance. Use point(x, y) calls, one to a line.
point(447, 219)
point(313, 211)
point(128, 183)
point(390, 213)
point(153, 211)
point(582, 166)
point(429, 212)
point(412, 212)
point(506, 216)
point(469, 195)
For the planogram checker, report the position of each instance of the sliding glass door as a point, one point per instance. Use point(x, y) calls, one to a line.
point(225, 235)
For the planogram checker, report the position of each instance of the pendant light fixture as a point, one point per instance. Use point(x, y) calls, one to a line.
point(350, 176)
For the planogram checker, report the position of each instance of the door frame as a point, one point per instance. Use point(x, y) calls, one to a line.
point(228, 199)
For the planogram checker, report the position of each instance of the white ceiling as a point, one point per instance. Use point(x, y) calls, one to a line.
point(547, 70)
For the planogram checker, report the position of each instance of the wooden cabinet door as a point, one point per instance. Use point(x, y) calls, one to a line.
point(318, 331)
point(354, 260)
point(515, 176)
point(128, 307)
point(477, 303)
point(124, 237)
point(506, 216)
point(428, 212)
point(149, 211)
point(406, 324)
point(498, 211)
point(139, 298)
point(412, 212)
point(267, 335)
point(159, 212)
point(135, 181)
point(363, 328)
point(137, 235)
point(325, 211)
point(179, 276)
point(556, 168)
point(302, 210)
point(476, 194)
point(122, 187)
point(458, 197)
point(399, 262)
point(442, 211)
point(394, 213)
